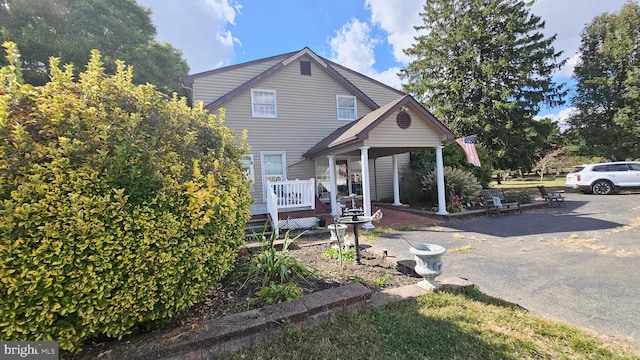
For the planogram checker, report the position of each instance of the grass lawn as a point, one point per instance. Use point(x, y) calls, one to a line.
point(441, 325)
point(530, 184)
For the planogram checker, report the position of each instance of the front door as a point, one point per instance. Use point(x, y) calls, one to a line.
point(274, 168)
point(349, 176)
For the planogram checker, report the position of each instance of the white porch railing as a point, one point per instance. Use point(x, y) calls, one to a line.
point(291, 194)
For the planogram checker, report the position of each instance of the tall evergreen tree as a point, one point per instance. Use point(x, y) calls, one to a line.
point(608, 86)
point(70, 29)
point(484, 67)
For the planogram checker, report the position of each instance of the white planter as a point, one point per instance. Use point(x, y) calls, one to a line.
point(428, 263)
point(341, 231)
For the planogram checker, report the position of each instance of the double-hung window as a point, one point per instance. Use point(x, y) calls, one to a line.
point(346, 107)
point(264, 103)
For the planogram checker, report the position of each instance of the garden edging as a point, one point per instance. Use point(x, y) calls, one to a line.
point(219, 337)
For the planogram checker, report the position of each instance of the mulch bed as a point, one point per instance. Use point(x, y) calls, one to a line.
point(230, 297)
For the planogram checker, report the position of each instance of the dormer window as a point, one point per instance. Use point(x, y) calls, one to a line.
point(346, 107)
point(264, 103)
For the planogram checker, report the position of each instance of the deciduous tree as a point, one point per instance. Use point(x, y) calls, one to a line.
point(608, 86)
point(70, 29)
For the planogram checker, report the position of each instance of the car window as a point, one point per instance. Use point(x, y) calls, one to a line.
point(601, 168)
point(634, 167)
point(618, 167)
point(576, 169)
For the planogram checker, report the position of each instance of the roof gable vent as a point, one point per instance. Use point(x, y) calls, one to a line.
point(305, 67)
point(404, 120)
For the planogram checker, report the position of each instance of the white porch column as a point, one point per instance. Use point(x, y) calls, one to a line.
point(442, 200)
point(396, 182)
point(366, 192)
point(333, 188)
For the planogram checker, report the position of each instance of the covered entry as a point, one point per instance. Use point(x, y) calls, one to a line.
point(345, 160)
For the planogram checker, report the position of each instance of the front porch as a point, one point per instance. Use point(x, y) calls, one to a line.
point(341, 162)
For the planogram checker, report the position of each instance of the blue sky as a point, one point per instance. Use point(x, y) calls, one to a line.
point(365, 35)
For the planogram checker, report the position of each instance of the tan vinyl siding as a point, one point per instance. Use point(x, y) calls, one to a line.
point(210, 88)
point(306, 114)
point(302, 170)
point(379, 93)
point(389, 134)
point(382, 180)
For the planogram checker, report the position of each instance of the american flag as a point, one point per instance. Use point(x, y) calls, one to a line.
point(468, 144)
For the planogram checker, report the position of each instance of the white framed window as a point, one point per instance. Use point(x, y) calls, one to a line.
point(264, 103)
point(247, 164)
point(346, 106)
point(274, 168)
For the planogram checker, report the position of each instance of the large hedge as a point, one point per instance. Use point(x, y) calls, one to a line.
point(118, 206)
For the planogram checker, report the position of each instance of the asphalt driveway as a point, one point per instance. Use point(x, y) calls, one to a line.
point(579, 264)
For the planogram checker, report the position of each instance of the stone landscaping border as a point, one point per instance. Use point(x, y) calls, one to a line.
point(216, 338)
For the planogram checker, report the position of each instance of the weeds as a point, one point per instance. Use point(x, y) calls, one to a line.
point(381, 281)
point(275, 293)
point(334, 254)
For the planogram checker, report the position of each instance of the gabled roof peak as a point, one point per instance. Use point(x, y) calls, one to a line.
point(308, 52)
point(280, 62)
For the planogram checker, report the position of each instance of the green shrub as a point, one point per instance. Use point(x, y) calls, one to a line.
point(455, 157)
point(275, 293)
point(118, 206)
point(411, 189)
point(524, 197)
point(460, 186)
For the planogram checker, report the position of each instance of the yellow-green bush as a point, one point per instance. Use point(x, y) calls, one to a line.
point(118, 206)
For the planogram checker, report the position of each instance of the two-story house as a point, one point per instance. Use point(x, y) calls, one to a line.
point(318, 130)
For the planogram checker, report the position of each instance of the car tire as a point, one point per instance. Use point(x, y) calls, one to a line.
point(602, 187)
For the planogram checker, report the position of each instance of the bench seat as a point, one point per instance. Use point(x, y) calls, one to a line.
point(496, 200)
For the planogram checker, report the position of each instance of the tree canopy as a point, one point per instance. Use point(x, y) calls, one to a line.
point(608, 86)
point(70, 29)
point(485, 68)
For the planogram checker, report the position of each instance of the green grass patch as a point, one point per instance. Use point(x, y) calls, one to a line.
point(530, 183)
point(440, 325)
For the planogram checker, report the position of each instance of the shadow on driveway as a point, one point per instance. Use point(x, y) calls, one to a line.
point(532, 224)
point(552, 220)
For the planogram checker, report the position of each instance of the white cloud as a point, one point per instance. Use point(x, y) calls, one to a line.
point(397, 18)
point(389, 77)
point(199, 28)
point(567, 19)
point(223, 10)
point(567, 69)
point(353, 46)
point(561, 118)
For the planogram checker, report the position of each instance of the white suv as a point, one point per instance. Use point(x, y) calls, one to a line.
point(605, 178)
